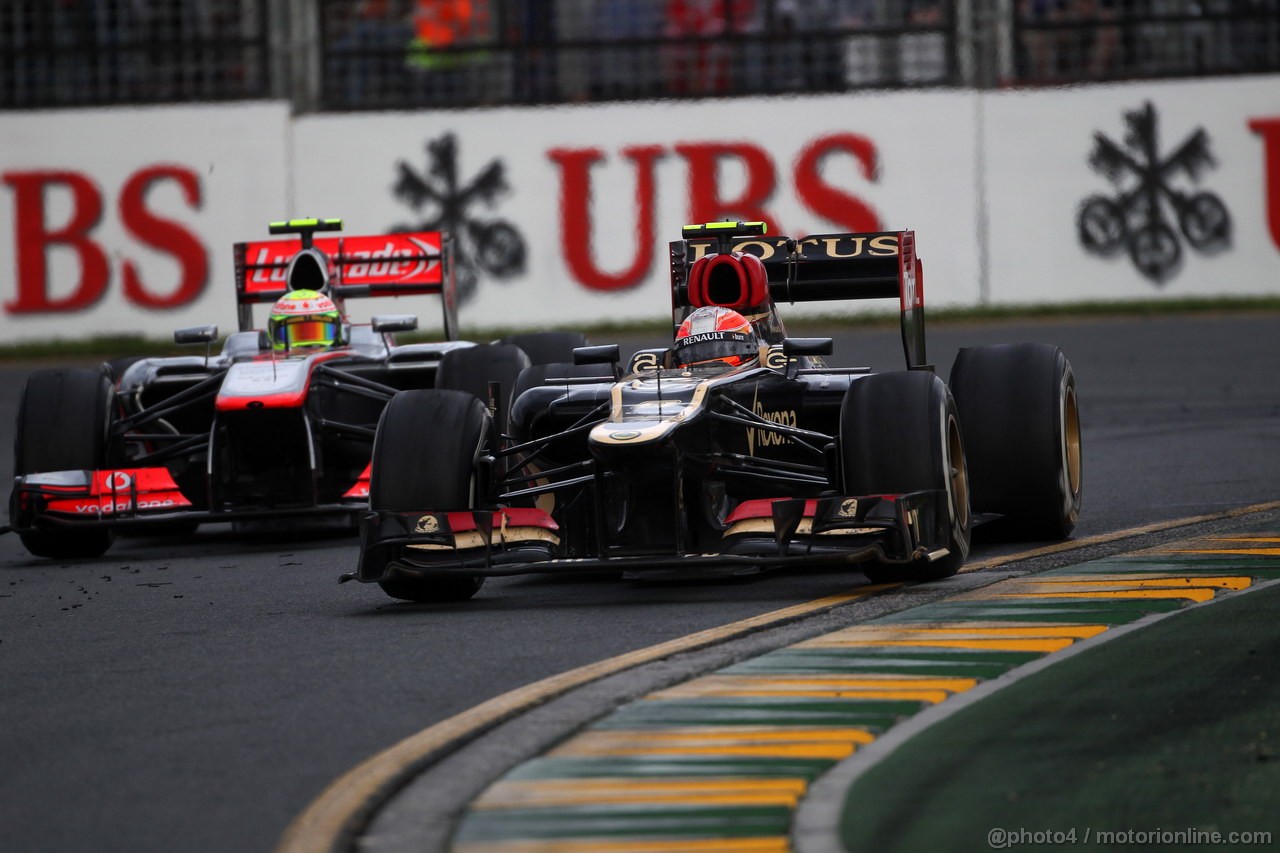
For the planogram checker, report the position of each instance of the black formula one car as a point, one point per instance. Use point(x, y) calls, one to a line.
point(667, 468)
point(256, 431)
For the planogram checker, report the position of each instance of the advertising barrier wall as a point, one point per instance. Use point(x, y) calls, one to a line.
point(122, 221)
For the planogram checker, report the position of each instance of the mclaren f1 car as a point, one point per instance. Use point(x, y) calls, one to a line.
point(676, 464)
point(262, 428)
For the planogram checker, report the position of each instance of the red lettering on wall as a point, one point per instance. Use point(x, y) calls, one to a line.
point(709, 199)
point(1269, 130)
point(705, 203)
point(164, 235)
point(33, 240)
point(575, 215)
point(848, 211)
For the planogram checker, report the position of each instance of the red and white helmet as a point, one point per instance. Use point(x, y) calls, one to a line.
point(714, 333)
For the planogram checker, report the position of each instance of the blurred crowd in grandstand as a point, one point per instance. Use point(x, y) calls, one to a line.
point(354, 54)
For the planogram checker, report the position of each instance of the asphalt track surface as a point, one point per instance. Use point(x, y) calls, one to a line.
point(197, 693)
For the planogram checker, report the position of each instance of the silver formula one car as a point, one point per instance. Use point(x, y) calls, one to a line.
point(275, 424)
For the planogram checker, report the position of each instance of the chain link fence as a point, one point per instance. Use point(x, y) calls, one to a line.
point(410, 54)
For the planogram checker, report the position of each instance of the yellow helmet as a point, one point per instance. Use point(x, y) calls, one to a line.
point(302, 319)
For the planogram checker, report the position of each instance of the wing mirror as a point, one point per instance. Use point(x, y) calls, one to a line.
point(807, 346)
point(604, 354)
point(395, 322)
point(196, 335)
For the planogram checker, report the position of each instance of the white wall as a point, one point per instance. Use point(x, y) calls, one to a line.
point(237, 157)
point(991, 182)
point(1037, 150)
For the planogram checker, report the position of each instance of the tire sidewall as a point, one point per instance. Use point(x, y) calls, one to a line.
point(895, 438)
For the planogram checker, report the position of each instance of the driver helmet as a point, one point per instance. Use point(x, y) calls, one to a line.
point(715, 333)
point(302, 319)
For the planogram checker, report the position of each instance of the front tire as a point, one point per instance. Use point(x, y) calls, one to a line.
point(424, 458)
point(63, 421)
point(899, 433)
point(1021, 420)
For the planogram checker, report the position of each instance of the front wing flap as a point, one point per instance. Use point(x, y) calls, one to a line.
point(833, 530)
point(126, 497)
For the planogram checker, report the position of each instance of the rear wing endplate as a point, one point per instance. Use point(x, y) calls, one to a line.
point(823, 267)
point(382, 265)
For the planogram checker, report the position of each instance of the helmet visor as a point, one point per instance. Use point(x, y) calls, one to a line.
point(730, 347)
point(306, 332)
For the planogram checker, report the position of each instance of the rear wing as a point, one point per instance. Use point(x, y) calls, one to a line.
point(820, 267)
point(382, 265)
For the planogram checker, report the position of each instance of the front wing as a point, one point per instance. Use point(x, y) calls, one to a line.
point(137, 497)
point(761, 535)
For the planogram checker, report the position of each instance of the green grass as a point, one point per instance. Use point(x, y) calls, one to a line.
point(113, 346)
point(1173, 726)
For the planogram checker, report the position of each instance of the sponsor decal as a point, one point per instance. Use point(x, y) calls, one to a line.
point(482, 245)
point(848, 508)
point(624, 435)
point(775, 359)
point(645, 361)
point(122, 506)
point(1139, 217)
point(841, 247)
point(712, 336)
point(760, 437)
point(360, 490)
point(390, 259)
point(427, 524)
point(118, 480)
point(154, 488)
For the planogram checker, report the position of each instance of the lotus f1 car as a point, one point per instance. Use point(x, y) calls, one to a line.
point(251, 432)
point(659, 469)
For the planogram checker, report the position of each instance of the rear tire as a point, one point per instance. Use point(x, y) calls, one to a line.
point(424, 458)
point(1021, 421)
point(63, 421)
point(899, 432)
point(537, 375)
point(547, 347)
point(471, 369)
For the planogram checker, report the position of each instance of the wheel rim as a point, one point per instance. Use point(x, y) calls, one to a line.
point(958, 474)
point(1071, 440)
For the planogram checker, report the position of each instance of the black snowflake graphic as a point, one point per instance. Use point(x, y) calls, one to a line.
point(492, 246)
point(1137, 216)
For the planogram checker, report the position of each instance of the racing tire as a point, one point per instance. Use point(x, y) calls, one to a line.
point(424, 458)
point(537, 375)
point(471, 369)
point(1021, 421)
point(899, 433)
point(63, 421)
point(118, 366)
point(547, 347)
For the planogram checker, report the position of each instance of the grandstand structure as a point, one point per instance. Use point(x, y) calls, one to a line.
point(344, 55)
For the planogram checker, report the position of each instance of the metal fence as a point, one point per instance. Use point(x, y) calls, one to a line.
point(1097, 40)
point(61, 53)
point(406, 54)
point(387, 54)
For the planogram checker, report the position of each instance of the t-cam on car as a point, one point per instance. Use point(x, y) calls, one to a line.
point(280, 422)
point(734, 450)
